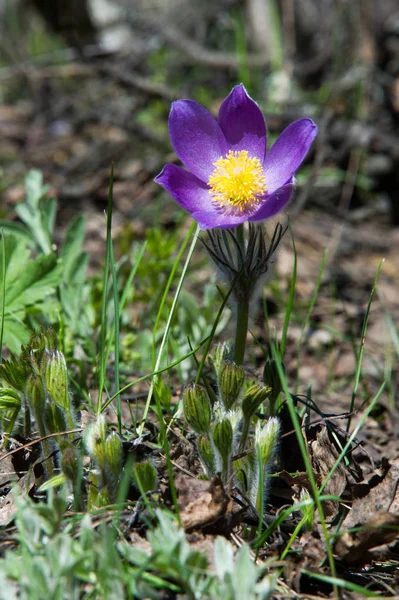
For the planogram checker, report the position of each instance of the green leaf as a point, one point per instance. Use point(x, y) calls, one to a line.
point(32, 281)
point(16, 334)
point(28, 285)
point(9, 398)
point(223, 558)
point(37, 211)
point(48, 211)
point(71, 247)
point(35, 189)
point(55, 481)
point(16, 229)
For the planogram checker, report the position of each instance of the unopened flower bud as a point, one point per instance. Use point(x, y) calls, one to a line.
point(219, 355)
point(145, 476)
point(13, 371)
point(113, 454)
point(36, 396)
point(54, 371)
point(243, 471)
point(271, 378)
point(308, 509)
point(197, 408)
point(222, 434)
point(95, 441)
point(266, 438)
point(254, 397)
point(231, 380)
point(207, 453)
point(9, 398)
point(70, 463)
point(55, 418)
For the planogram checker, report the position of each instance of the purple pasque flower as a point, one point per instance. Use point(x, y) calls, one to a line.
point(230, 178)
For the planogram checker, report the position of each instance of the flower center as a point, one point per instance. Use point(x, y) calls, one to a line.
point(237, 181)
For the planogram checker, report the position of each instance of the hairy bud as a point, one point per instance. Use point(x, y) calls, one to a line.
point(222, 434)
point(254, 397)
point(70, 463)
point(267, 438)
point(197, 408)
point(145, 476)
point(94, 436)
point(113, 455)
point(218, 356)
point(271, 378)
point(231, 380)
point(207, 454)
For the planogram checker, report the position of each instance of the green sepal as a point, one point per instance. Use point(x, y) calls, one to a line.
point(230, 382)
point(145, 476)
point(253, 398)
point(197, 408)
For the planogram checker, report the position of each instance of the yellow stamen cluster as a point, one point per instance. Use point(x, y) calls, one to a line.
point(237, 181)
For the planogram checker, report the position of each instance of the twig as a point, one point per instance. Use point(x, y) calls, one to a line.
point(38, 440)
point(195, 52)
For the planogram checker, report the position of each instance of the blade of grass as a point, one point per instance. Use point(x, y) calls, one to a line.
point(168, 325)
point(153, 374)
point(335, 582)
point(167, 287)
point(288, 309)
point(3, 291)
point(352, 437)
point(305, 457)
point(307, 317)
point(361, 349)
point(212, 334)
point(116, 329)
point(131, 278)
point(103, 325)
point(163, 433)
point(259, 541)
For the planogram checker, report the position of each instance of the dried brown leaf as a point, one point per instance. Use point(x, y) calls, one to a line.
point(8, 507)
point(209, 506)
point(353, 546)
point(323, 455)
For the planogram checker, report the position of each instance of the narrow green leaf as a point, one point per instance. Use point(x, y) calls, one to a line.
point(55, 481)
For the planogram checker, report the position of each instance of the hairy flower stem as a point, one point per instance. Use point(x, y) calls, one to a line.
point(244, 434)
point(242, 311)
point(226, 472)
point(241, 332)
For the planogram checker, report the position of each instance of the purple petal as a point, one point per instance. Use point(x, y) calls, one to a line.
point(196, 137)
point(242, 123)
point(287, 153)
point(189, 191)
point(274, 203)
point(215, 218)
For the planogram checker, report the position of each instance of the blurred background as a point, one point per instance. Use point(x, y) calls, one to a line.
point(84, 83)
point(87, 82)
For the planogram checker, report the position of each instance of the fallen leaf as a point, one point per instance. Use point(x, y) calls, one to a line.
point(323, 455)
point(353, 546)
point(210, 505)
point(8, 507)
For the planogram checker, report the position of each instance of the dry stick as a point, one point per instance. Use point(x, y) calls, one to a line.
point(143, 84)
point(195, 52)
point(260, 26)
point(38, 440)
point(289, 33)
